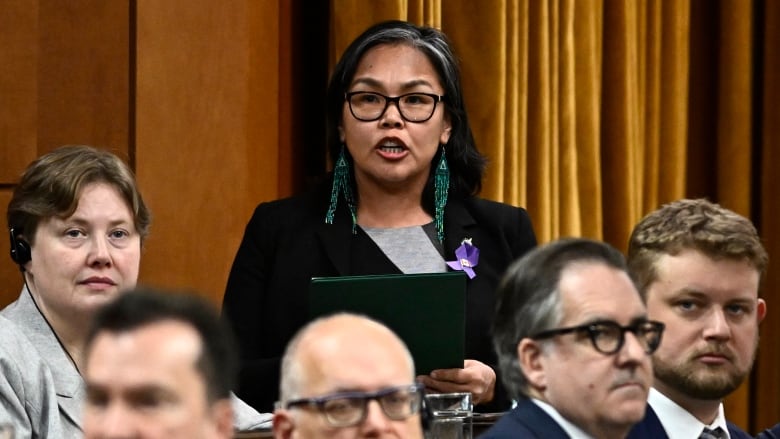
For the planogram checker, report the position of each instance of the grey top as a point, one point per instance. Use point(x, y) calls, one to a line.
point(28, 402)
point(41, 392)
point(411, 249)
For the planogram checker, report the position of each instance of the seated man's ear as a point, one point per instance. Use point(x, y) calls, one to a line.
point(283, 424)
point(529, 356)
point(222, 413)
point(760, 310)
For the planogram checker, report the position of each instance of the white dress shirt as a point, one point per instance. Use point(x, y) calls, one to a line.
point(678, 422)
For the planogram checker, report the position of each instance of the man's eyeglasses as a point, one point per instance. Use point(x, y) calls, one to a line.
point(346, 409)
point(608, 336)
point(414, 107)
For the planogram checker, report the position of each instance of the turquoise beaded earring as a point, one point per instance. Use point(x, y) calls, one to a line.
point(341, 185)
point(441, 185)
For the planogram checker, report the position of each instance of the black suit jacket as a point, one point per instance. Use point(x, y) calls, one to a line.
point(650, 428)
point(527, 420)
point(770, 433)
point(287, 242)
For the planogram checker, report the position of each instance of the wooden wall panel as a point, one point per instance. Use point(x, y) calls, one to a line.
point(18, 114)
point(192, 91)
point(64, 78)
point(207, 135)
point(83, 74)
point(18, 88)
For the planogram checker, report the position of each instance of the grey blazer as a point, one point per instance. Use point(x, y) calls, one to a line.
point(41, 392)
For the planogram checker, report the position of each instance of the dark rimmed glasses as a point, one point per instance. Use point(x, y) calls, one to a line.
point(345, 409)
point(608, 337)
point(369, 106)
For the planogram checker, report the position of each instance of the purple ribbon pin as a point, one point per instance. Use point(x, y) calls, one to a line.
point(468, 257)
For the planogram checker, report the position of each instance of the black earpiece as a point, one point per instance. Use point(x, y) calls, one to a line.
point(20, 249)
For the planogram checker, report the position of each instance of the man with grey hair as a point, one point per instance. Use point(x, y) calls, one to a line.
point(347, 376)
point(573, 342)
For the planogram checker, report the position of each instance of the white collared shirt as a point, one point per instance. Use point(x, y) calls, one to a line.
point(572, 430)
point(678, 422)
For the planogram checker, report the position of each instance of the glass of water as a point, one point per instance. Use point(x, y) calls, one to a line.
point(452, 415)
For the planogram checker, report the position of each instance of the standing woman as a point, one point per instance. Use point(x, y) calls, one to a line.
point(76, 222)
point(401, 200)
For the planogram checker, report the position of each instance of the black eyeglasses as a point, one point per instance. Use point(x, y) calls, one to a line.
point(608, 336)
point(368, 106)
point(346, 409)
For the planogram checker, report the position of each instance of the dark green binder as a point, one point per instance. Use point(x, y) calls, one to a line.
point(427, 311)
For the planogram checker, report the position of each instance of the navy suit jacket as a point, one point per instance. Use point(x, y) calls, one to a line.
point(527, 420)
point(650, 428)
point(287, 242)
point(770, 433)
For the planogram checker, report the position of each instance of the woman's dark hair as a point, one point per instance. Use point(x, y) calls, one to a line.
point(466, 164)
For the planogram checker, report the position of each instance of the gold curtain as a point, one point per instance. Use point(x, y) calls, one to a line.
point(348, 18)
point(594, 112)
point(570, 119)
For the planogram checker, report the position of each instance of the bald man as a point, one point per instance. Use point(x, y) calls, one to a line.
point(347, 376)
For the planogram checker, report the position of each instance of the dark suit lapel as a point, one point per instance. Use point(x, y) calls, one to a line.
point(538, 421)
point(336, 239)
point(352, 253)
point(458, 225)
point(736, 432)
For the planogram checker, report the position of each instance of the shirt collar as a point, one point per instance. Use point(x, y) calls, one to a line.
point(572, 430)
point(678, 422)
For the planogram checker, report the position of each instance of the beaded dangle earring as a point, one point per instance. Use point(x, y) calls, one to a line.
point(341, 185)
point(441, 185)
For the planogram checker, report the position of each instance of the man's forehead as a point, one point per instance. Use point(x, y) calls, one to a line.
point(694, 272)
point(155, 359)
point(344, 359)
point(142, 386)
point(594, 290)
point(160, 332)
point(350, 335)
point(165, 340)
point(327, 357)
point(693, 253)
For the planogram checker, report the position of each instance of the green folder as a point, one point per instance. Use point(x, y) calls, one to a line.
point(427, 311)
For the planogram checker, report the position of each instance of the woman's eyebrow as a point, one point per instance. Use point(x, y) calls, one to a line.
point(371, 82)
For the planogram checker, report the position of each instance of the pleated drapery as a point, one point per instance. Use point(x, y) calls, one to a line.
point(581, 106)
point(595, 112)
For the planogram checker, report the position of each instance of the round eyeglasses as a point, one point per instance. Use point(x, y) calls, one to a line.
point(608, 337)
point(345, 409)
point(368, 106)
